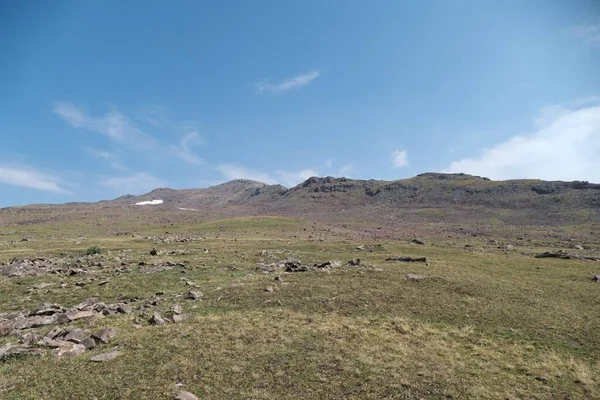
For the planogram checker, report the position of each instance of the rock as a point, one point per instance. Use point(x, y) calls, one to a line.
point(578, 247)
point(46, 309)
point(69, 350)
point(178, 317)
point(355, 262)
point(176, 309)
point(153, 252)
point(541, 378)
point(106, 356)
point(105, 335)
point(264, 253)
point(508, 247)
point(74, 315)
point(596, 278)
point(5, 329)
point(76, 336)
point(55, 332)
point(277, 278)
point(157, 319)
point(89, 343)
point(34, 322)
point(31, 338)
point(417, 241)
point(269, 289)
point(183, 395)
point(414, 277)
point(407, 259)
point(10, 350)
point(193, 295)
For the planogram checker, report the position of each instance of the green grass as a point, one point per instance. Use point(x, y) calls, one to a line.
point(483, 324)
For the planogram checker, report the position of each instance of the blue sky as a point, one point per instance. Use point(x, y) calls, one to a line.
point(103, 98)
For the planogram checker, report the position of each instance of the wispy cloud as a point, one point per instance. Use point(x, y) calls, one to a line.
point(30, 178)
point(565, 146)
point(285, 178)
point(399, 158)
point(234, 171)
point(111, 158)
point(287, 84)
point(184, 151)
point(590, 34)
point(115, 125)
point(345, 169)
point(290, 179)
point(137, 183)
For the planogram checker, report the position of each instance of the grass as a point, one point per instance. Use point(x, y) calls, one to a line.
point(483, 324)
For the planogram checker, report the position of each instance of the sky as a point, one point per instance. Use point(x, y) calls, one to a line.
point(104, 98)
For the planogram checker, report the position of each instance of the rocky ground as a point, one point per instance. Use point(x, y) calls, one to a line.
point(154, 305)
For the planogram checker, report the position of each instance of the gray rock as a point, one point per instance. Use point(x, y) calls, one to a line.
point(33, 322)
point(193, 295)
point(157, 319)
point(176, 309)
point(74, 315)
point(69, 350)
point(89, 343)
point(183, 395)
point(106, 356)
point(414, 277)
point(417, 241)
point(55, 332)
point(269, 289)
point(178, 317)
point(153, 252)
point(10, 350)
point(355, 262)
point(5, 329)
point(76, 336)
point(105, 335)
point(46, 309)
point(596, 278)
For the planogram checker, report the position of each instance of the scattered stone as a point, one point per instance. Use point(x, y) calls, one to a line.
point(414, 277)
point(153, 252)
point(9, 350)
point(33, 322)
point(157, 319)
point(264, 253)
point(5, 330)
point(269, 289)
point(178, 317)
point(76, 336)
point(596, 278)
point(193, 295)
point(74, 315)
point(183, 395)
point(578, 247)
point(46, 309)
point(541, 378)
point(176, 309)
point(565, 256)
point(102, 283)
point(105, 335)
point(89, 343)
point(106, 356)
point(55, 332)
point(354, 262)
point(417, 241)
point(69, 350)
point(407, 259)
point(277, 278)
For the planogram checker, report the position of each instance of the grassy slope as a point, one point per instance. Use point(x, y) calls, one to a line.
point(483, 324)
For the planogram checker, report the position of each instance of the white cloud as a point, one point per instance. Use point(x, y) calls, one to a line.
point(287, 84)
point(590, 34)
point(139, 182)
point(184, 151)
point(345, 169)
point(30, 178)
point(565, 146)
point(117, 126)
point(233, 171)
point(113, 159)
point(285, 178)
point(290, 179)
point(399, 158)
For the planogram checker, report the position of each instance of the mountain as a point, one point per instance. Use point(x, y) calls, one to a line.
point(452, 195)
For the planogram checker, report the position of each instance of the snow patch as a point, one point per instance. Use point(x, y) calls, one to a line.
point(187, 209)
point(149, 203)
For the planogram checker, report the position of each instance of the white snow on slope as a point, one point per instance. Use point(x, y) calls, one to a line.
point(149, 203)
point(188, 209)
